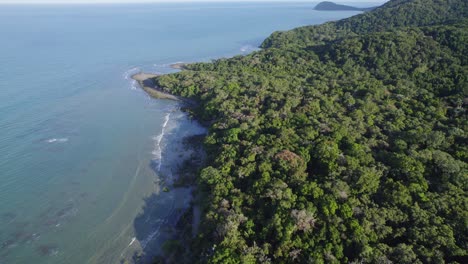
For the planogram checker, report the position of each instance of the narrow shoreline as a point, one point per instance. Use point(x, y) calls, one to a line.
point(178, 65)
point(146, 82)
point(187, 221)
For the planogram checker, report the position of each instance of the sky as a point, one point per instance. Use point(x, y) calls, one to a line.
point(152, 1)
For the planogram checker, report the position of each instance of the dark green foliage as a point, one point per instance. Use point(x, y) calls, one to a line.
point(396, 13)
point(344, 142)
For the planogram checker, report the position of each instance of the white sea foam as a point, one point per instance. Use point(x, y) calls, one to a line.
point(157, 152)
point(131, 242)
point(57, 140)
point(150, 237)
point(248, 48)
point(32, 238)
point(128, 74)
point(134, 84)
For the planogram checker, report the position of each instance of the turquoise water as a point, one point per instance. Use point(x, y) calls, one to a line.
point(82, 149)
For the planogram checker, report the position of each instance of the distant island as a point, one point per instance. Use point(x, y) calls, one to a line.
point(330, 6)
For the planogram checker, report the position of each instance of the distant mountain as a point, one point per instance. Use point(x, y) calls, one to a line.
point(330, 6)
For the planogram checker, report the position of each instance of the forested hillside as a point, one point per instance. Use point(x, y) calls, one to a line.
point(344, 142)
point(393, 14)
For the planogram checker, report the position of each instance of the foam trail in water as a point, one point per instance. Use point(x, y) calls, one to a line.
point(131, 243)
point(57, 140)
point(158, 139)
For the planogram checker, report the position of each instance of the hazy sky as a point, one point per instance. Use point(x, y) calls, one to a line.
point(149, 1)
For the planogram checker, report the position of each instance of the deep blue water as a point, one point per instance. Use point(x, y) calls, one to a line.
point(81, 147)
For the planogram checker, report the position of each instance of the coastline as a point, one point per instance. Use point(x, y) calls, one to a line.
point(185, 221)
point(250, 157)
point(178, 65)
point(147, 84)
point(121, 137)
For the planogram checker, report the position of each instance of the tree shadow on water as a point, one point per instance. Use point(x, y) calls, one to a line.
point(157, 223)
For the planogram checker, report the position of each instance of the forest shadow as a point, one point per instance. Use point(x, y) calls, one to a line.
point(165, 224)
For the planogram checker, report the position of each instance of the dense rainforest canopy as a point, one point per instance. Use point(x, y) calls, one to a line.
point(338, 143)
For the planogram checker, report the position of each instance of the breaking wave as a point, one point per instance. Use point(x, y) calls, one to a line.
point(128, 74)
point(157, 152)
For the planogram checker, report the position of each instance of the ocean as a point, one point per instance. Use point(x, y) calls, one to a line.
point(84, 152)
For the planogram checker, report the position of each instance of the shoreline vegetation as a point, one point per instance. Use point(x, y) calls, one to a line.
point(343, 142)
point(187, 223)
point(179, 65)
point(145, 80)
point(147, 83)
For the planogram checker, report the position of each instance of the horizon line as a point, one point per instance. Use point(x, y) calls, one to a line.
point(91, 2)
